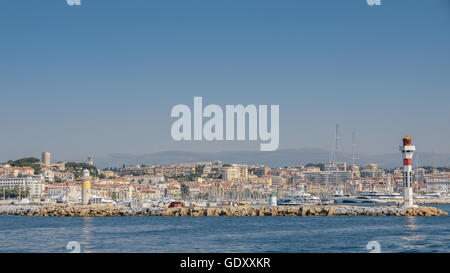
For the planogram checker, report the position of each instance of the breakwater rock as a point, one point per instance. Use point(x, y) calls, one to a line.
point(109, 210)
point(304, 211)
point(60, 210)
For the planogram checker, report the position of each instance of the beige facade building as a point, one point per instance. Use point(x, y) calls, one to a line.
point(234, 172)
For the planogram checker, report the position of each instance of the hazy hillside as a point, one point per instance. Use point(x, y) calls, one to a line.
point(292, 157)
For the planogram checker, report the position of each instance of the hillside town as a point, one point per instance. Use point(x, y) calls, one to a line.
point(207, 183)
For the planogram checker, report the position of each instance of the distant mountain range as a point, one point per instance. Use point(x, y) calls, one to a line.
point(280, 158)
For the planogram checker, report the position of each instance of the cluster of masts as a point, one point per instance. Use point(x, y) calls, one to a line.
point(407, 152)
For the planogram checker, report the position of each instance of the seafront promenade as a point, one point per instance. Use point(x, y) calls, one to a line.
point(62, 210)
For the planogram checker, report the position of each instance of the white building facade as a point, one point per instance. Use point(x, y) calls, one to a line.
point(34, 183)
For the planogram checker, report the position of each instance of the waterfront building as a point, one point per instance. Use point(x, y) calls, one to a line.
point(33, 183)
point(438, 183)
point(325, 177)
point(69, 192)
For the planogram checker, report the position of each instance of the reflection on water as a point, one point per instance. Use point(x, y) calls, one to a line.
point(413, 238)
point(410, 223)
point(87, 226)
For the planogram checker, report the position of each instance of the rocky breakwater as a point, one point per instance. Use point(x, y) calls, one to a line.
point(304, 211)
point(109, 210)
point(60, 210)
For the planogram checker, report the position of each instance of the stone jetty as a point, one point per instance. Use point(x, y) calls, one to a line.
point(109, 210)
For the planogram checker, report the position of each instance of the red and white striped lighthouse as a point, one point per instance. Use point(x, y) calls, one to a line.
point(407, 152)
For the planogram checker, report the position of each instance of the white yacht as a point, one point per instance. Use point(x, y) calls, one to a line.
point(436, 195)
point(300, 198)
point(384, 195)
point(367, 197)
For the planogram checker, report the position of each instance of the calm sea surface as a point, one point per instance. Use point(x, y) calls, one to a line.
point(226, 234)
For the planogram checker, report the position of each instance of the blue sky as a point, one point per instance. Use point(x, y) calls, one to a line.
point(102, 77)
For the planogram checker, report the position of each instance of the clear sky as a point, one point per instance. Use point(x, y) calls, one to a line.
point(102, 77)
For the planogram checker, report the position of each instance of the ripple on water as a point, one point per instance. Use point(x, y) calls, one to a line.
point(226, 234)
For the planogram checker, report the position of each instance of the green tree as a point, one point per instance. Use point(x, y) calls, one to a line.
point(77, 168)
point(27, 162)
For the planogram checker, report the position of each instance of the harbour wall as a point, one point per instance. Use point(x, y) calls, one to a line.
point(62, 210)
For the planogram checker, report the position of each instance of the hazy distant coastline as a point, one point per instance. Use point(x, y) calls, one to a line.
point(280, 158)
